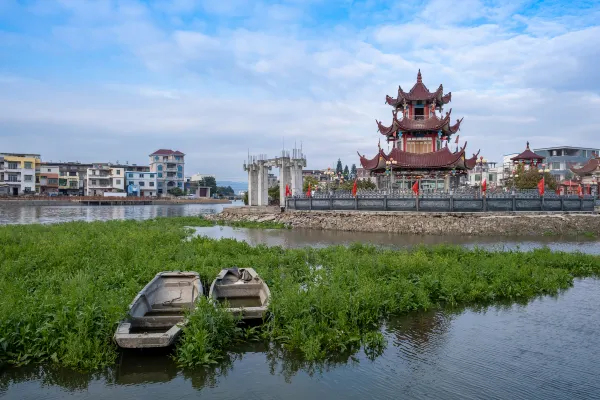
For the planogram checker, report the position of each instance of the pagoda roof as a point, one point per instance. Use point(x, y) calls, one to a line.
point(528, 155)
point(433, 123)
point(441, 159)
point(419, 92)
point(592, 165)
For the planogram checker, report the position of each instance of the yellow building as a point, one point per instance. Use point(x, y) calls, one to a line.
point(20, 172)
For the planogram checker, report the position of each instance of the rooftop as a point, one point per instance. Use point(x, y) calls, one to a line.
point(167, 152)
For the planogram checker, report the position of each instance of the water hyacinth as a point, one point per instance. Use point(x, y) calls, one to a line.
point(64, 288)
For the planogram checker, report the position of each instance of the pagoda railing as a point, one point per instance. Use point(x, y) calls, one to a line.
point(454, 201)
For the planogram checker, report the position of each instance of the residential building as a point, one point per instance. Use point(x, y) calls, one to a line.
point(169, 168)
point(203, 191)
point(98, 180)
point(118, 178)
point(560, 159)
point(142, 184)
point(483, 169)
point(19, 172)
point(200, 177)
point(364, 174)
point(48, 179)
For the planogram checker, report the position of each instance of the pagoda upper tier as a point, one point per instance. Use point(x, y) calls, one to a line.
point(419, 92)
point(431, 123)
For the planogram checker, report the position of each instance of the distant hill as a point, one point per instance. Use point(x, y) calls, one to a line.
point(236, 186)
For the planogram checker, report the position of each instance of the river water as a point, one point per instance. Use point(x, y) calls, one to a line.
point(546, 349)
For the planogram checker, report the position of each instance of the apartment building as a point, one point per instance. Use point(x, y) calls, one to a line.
point(169, 168)
point(48, 179)
point(142, 184)
point(117, 174)
point(19, 172)
point(559, 159)
point(98, 180)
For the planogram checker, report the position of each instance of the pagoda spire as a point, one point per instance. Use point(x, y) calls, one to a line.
point(419, 79)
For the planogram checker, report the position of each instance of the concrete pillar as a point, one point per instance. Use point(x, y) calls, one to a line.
point(263, 184)
point(447, 183)
point(284, 179)
point(296, 178)
point(252, 185)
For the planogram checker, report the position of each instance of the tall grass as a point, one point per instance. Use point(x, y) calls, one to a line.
point(64, 287)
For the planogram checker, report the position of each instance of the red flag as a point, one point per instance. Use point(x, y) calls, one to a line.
point(484, 186)
point(288, 192)
point(580, 191)
point(415, 188)
point(456, 141)
point(308, 192)
point(354, 189)
point(541, 185)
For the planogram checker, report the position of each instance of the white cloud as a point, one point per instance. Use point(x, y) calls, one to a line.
point(218, 90)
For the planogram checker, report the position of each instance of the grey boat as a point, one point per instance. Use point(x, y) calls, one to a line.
point(157, 313)
point(245, 292)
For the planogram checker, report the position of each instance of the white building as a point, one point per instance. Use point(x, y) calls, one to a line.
point(199, 177)
point(48, 178)
point(142, 184)
point(98, 180)
point(484, 170)
point(19, 172)
point(118, 178)
point(169, 168)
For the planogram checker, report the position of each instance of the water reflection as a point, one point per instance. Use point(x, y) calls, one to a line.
point(546, 349)
point(296, 238)
point(19, 214)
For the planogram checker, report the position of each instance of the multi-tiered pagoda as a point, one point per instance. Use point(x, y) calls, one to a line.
point(419, 137)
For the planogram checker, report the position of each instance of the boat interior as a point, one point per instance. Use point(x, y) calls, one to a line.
point(164, 303)
point(239, 292)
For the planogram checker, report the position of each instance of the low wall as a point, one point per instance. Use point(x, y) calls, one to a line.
point(493, 224)
point(443, 203)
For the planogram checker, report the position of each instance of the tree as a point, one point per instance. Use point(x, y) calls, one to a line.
point(176, 192)
point(353, 172)
point(309, 180)
point(529, 179)
point(346, 172)
point(245, 198)
point(339, 169)
point(225, 191)
point(361, 184)
point(210, 182)
point(274, 193)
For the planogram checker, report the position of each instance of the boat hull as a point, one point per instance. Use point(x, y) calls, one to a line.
point(227, 288)
point(157, 314)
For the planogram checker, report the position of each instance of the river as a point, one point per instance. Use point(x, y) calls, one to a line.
point(547, 349)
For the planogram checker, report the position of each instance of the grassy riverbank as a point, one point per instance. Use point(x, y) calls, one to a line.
point(65, 286)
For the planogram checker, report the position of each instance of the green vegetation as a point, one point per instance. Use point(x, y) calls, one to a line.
point(274, 193)
point(176, 192)
point(65, 287)
point(529, 179)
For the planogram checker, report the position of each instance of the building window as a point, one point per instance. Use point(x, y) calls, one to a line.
point(49, 170)
point(491, 178)
point(160, 184)
point(179, 184)
point(28, 178)
point(151, 184)
point(93, 182)
point(118, 181)
point(179, 175)
point(151, 175)
point(159, 167)
point(13, 165)
point(419, 145)
point(130, 175)
point(142, 183)
point(27, 165)
point(118, 172)
point(160, 174)
point(555, 165)
point(141, 176)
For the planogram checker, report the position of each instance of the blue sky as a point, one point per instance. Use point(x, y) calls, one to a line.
point(114, 80)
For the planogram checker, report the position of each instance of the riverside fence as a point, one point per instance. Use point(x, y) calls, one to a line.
point(441, 202)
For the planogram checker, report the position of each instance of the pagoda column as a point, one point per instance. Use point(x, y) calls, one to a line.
point(263, 184)
point(447, 183)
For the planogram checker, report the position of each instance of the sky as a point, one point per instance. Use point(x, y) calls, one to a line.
point(114, 80)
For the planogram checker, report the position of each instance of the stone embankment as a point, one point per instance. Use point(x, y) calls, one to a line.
point(493, 224)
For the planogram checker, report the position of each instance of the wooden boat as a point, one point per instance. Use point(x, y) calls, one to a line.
point(246, 293)
point(157, 312)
